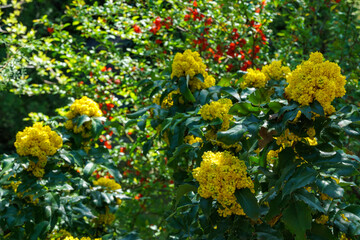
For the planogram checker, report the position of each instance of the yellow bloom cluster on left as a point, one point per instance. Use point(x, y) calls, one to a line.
point(107, 183)
point(322, 219)
point(315, 79)
point(83, 106)
point(219, 175)
point(38, 141)
point(218, 109)
point(190, 64)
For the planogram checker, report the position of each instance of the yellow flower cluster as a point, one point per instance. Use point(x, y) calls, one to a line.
point(83, 106)
point(191, 139)
point(311, 132)
point(190, 64)
point(218, 109)
point(168, 100)
point(105, 219)
point(219, 175)
point(322, 219)
point(315, 79)
point(287, 139)
point(107, 183)
point(275, 71)
point(254, 78)
point(272, 156)
point(27, 198)
point(83, 238)
point(38, 141)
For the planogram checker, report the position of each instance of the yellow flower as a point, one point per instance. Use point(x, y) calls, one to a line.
point(311, 132)
point(275, 71)
point(272, 156)
point(38, 141)
point(322, 219)
point(219, 175)
point(343, 237)
point(83, 106)
point(191, 139)
point(168, 100)
point(315, 79)
point(107, 183)
point(287, 139)
point(190, 64)
point(105, 219)
point(345, 218)
point(254, 78)
point(218, 109)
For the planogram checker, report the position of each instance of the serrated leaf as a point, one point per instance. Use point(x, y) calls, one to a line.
point(297, 219)
point(243, 109)
point(233, 135)
point(248, 202)
point(301, 178)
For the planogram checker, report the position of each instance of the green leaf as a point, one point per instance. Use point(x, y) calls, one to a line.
point(243, 109)
point(321, 232)
point(275, 106)
point(233, 135)
point(96, 126)
point(248, 202)
point(184, 89)
point(39, 230)
point(260, 96)
point(7, 164)
point(200, 77)
point(297, 219)
point(89, 169)
point(183, 189)
point(301, 178)
point(330, 188)
point(139, 113)
point(82, 119)
point(206, 205)
point(310, 200)
point(230, 91)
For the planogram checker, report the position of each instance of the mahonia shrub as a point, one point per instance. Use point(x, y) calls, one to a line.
point(61, 199)
point(290, 177)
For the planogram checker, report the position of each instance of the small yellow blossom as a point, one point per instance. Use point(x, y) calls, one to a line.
point(343, 237)
point(275, 71)
point(322, 219)
point(254, 78)
point(311, 132)
point(218, 109)
point(191, 139)
point(107, 183)
point(190, 64)
point(168, 100)
point(83, 106)
point(272, 156)
point(105, 219)
point(219, 175)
